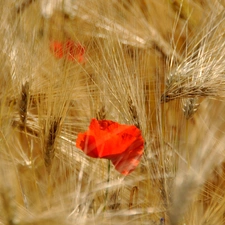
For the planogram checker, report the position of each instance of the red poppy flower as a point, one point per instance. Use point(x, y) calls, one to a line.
point(70, 50)
point(122, 144)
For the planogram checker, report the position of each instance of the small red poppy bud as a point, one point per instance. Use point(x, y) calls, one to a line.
point(70, 50)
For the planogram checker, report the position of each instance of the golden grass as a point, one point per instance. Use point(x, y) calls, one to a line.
point(136, 52)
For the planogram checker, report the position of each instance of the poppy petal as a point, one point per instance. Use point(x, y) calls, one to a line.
point(126, 162)
point(88, 144)
point(74, 51)
point(57, 49)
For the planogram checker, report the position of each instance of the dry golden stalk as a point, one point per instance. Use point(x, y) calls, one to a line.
point(8, 204)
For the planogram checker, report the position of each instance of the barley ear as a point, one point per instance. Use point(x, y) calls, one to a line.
point(101, 114)
point(49, 151)
point(24, 103)
point(190, 106)
point(133, 112)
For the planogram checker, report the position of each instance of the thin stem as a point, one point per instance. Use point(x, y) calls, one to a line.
point(107, 190)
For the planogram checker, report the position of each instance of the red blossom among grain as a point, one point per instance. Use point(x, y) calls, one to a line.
point(70, 50)
point(120, 143)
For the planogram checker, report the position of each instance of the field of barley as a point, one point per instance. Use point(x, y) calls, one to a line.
point(157, 66)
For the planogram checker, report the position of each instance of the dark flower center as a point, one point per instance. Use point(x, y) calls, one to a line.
point(104, 124)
